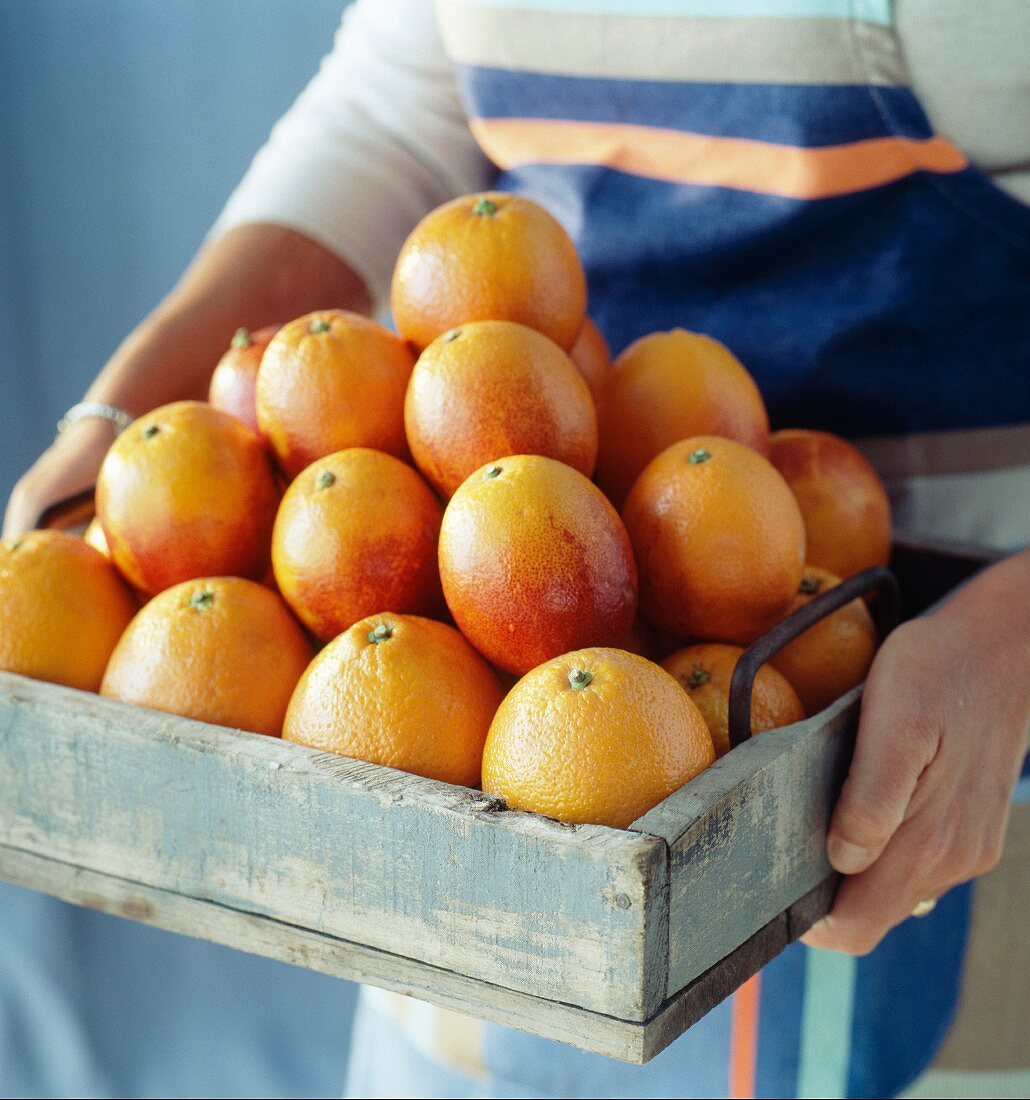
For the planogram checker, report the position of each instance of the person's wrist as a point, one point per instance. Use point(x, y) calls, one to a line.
point(68, 466)
point(89, 437)
point(993, 604)
point(986, 623)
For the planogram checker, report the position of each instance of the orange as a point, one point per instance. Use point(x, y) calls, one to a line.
point(332, 380)
point(535, 562)
point(234, 381)
point(664, 388)
point(357, 532)
point(218, 649)
point(187, 492)
point(402, 691)
point(596, 737)
point(592, 356)
point(842, 500)
point(641, 639)
point(94, 536)
point(705, 671)
point(493, 388)
point(718, 540)
point(63, 608)
point(833, 656)
point(489, 257)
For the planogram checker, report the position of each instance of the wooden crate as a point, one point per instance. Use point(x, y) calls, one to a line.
point(615, 941)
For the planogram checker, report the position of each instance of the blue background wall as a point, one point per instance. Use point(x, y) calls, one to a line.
point(123, 126)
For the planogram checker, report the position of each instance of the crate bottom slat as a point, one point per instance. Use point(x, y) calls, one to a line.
point(625, 1040)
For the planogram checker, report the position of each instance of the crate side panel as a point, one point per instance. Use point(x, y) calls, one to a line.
point(335, 846)
point(701, 995)
point(747, 837)
point(259, 935)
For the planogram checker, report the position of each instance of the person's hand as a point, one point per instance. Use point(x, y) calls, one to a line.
point(941, 739)
point(67, 467)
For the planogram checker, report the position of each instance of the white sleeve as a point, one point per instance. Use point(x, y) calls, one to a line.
point(376, 140)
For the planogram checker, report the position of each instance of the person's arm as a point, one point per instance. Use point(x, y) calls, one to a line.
point(375, 141)
point(254, 275)
point(942, 737)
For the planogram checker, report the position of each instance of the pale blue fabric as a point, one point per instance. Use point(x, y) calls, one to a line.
point(385, 1063)
point(123, 127)
point(94, 1006)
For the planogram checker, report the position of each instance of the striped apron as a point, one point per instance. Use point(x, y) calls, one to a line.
point(760, 170)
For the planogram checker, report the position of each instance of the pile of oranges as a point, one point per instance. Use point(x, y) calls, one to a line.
point(460, 549)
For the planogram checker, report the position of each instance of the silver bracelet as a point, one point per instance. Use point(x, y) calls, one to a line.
point(87, 410)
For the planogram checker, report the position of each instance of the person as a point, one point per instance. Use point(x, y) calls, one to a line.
point(766, 173)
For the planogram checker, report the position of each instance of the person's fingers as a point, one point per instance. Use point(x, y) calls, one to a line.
point(14, 515)
point(912, 869)
point(25, 505)
point(897, 739)
point(952, 840)
point(66, 468)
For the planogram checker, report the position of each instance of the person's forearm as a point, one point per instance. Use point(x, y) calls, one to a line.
point(255, 275)
point(999, 598)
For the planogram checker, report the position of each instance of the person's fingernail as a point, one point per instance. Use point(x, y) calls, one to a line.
point(846, 857)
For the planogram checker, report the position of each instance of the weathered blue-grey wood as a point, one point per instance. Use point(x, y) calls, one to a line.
point(618, 923)
point(594, 1031)
point(623, 1039)
point(700, 996)
point(747, 837)
point(334, 846)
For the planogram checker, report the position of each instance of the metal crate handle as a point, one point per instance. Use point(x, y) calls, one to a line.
point(885, 615)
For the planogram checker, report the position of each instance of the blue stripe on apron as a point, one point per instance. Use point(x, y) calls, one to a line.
point(806, 115)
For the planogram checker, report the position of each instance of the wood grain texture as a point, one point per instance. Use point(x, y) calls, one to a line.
point(700, 996)
point(625, 1040)
point(747, 837)
point(338, 847)
point(273, 939)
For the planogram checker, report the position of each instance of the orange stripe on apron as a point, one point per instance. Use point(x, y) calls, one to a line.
point(744, 1039)
point(676, 156)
